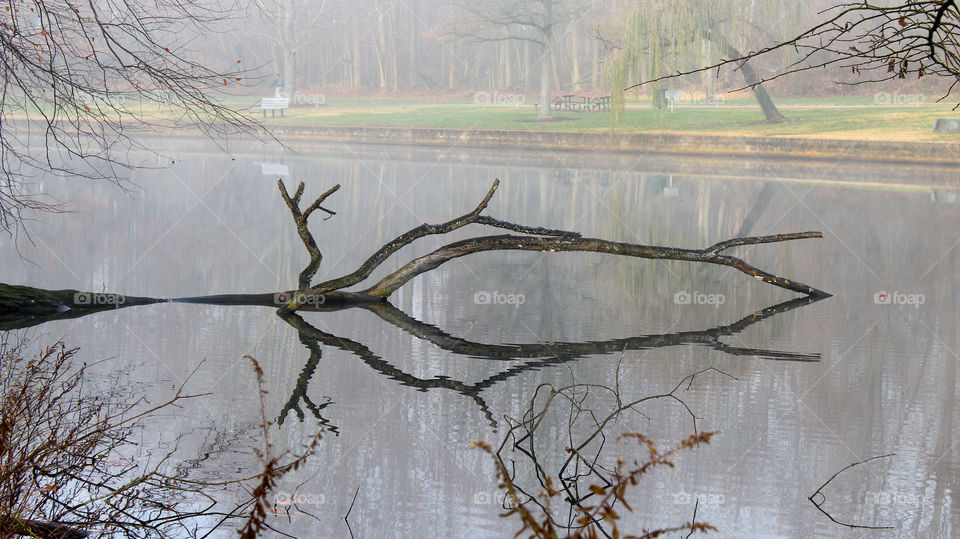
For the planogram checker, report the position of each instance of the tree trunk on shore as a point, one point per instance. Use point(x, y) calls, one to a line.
point(545, 112)
point(770, 111)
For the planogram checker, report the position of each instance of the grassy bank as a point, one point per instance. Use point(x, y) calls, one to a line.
point(835, 118)
point(883, 117)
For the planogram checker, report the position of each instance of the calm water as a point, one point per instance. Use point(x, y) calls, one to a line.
point(810, 390)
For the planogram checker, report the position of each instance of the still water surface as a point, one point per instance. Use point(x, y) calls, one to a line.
point(802, 393)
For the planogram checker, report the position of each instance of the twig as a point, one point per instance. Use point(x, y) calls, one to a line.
point(346, 517)
point(832, 477)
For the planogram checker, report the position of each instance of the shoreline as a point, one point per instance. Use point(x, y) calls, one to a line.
point(633, 143)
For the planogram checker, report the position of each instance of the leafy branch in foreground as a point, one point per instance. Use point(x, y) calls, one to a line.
point(274, 468)
point(615, 491)
point(69, 466)
point(65, 462)
point(586, 482)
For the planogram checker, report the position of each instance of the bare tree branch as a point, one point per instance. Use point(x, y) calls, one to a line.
point(819, 491)
point(300, 219)
point(876, 42)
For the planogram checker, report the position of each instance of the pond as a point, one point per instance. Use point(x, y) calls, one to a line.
point(797, 392)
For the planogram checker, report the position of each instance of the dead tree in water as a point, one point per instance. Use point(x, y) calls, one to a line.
point(528, 239)
point(22, 306)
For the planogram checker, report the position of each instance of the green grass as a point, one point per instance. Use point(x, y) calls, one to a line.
point(847, 117)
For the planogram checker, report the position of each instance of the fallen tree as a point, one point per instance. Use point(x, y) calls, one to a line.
point(22, 306)
point(529, 239)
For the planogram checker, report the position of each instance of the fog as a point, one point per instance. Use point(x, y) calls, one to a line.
point(664, 264)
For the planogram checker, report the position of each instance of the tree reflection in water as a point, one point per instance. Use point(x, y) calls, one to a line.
point(524, 357)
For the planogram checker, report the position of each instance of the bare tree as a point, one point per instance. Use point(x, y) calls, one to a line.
point(293, 27)
point(536, 21)
point(80, 79)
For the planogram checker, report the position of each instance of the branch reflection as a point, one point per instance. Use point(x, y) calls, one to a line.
point(526, 357)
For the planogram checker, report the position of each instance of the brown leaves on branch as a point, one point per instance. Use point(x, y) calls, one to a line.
point(275, 466)
point(63, 463)
point(588, 483)
point(603, 510)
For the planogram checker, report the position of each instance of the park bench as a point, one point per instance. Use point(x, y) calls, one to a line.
point(580, 103)
point(273, 104)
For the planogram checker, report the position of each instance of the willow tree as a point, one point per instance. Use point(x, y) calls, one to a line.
point(876, 42)
point(661, 38)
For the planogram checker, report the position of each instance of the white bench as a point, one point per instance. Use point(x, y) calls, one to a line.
point(273, 104)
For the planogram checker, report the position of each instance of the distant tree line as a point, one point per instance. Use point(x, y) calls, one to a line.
point(411, 45)
point(459, 46)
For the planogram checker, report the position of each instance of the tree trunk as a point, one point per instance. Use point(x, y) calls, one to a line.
point(770, 111)
point(575, 60)
point(545, 101)
point(413, 45)
point(506, 80)
point(288, 42)
point(595, 65)
point(290, 73)
point(525, 65)
point(24, 306)
point(380, 50)
point(357, 80)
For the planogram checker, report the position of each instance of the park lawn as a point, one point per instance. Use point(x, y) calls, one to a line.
point(852, 117)
point(832, 121)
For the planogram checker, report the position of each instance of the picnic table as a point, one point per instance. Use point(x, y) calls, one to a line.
point(580, 103)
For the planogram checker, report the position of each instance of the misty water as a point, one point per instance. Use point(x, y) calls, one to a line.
point(797, 394)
